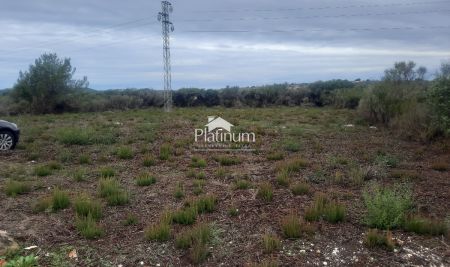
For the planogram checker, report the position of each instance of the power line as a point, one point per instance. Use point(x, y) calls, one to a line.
point(321, 16)
point(323, 7)
point(318, 30)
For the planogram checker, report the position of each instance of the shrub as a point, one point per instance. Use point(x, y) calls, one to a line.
point(179, 191)
point(196, 175)
point(43, 170)
point(271, 243)
point(242, 184)
point(74, 136)
point(13, 188)
point(283, 178)
point(425, 226)
point(110, 189)
point(301, 188)
point(88, 228)
point(265, 192)
point(20, 261)
point(200, 233)
point(196, 239)
point(227, 161)
point(198, 186)
point(85, 206)
point(185, 216)
point(60, 200)
point(291, 146)
point(334, 212)
point(205, 204)
point(198, 162)
point(165, 151)
point(386, 207)
point(159, 232)
point(439, 101)
point(145, 180)
point(107, 172)
point(292, 165)
point(84, 159)
point(79, 175)
point(125, 153)
point(376, 239)
point(276, 155)
point(42, 204)
point(293, 227)
point(149, 161)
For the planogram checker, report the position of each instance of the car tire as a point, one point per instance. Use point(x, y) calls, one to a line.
point(7, 140)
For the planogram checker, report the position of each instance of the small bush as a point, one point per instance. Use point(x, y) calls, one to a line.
point(107, 172)
point(205, 204)
point(199, 233)
point(265, 192)
point(242, 184)
point(13, 188)
point(60, 200)
point(165, 151)
point(42, 204)
point(110, 189)
point(179, 191)
point(198, 186)
point(79, 175)
point(196, 175)
point(84, 159)
point(85, 206)
point(185, 216)
point(125, 153)
point(43, 170)
point(271, 243)
point(291, 146)
point(149, 161)
point(425, 226)
point(293, 227)
point(131, 220)
point(198, 162)
point(386, 207)
point(330, 211)
point(292, 165)
point(159, 232)
point(221, 172)
point(21, 261)
point(53, 165)
point(74, 136)
point(227, 161)
point(301, 188)
point(386, 160)
point(376, 239)
point(284, 178)
point(145, 180)
point(275, 156)
point(88, 227)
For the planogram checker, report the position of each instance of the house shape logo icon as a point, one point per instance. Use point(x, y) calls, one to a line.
point(218, 123)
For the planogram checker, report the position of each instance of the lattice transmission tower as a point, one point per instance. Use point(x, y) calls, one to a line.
point(167, 28)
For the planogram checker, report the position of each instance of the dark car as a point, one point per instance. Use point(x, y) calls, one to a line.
point(9, 135)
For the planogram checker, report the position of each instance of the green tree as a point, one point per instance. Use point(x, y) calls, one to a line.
point(48, 85)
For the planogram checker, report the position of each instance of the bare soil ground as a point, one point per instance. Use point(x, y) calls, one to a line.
point(330, 148)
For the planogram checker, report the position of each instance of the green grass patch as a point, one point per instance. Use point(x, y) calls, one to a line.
point(158, 232)
point(301, 188)
point(149, 161)
point(14, 188)
point(110, 189)
point(265, 192)
point(283, 178)
point(375, 238)
point(165, 151)
point(88, 227)
point(386, 206)
point(197, 162)
point(227, 160)
point(125, 153)
point(60, 199)
point(271, 243)
point(85, 206)
point(145, 179)
point(276, 155)
point(293, 227)
point(425, 226)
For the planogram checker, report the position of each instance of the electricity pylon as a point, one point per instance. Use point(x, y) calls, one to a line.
point(167, 28)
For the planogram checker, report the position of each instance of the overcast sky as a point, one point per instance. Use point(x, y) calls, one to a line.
point(117, 44)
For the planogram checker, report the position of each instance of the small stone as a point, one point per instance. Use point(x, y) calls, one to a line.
point(325, 263)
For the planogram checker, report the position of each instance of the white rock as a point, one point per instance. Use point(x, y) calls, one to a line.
point(30, 247)
point(325, 263)
point(349, 125)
